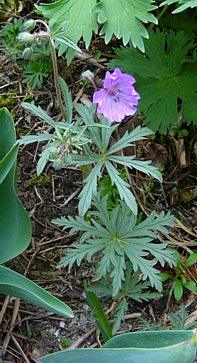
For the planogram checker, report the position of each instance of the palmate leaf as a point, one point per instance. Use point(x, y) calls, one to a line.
point(163, 78)
point(125, 20)
point(79, 15)
point(184, 4)
point(35, 72)
point(139, 290)
point(152, 223)
point(103, 158)
point(117, 245)
point(79, 252)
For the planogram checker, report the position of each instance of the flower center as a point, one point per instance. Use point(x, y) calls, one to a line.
point(114, 92)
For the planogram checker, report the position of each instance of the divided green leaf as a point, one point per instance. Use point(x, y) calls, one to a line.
point(116, 238)
point(166, 79)
point(64, 146)
point(125, 19)
point(77, 13)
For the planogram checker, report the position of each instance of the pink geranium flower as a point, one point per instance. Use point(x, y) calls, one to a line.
point(118, 97)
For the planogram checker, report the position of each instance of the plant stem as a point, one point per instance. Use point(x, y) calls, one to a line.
point(159, 16)
point(55, 70)
point(56, 80)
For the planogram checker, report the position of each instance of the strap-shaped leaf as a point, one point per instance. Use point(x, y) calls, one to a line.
point(15, 228)
point(12, 283)
point(7, 162)
point(150, 347)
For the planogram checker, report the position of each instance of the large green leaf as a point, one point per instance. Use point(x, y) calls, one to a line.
point(14, 284)
point(7, 162)
point(150, 347)
point(15, 227)
point(165, 76)
point(79, 15)
point(125, 20)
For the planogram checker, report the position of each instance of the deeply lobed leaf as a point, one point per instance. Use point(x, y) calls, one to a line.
point(116, 245)
point(125, 19)
point(163, 78)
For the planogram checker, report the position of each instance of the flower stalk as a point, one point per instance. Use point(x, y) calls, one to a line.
point(54, 64)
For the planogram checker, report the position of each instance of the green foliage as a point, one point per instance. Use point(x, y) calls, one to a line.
point(69, 145)
point(99, 313)
point(116, 238)
point(67, 11)
point(9, 35)
point(124, 20)
point(179, 318)
point(33, 59)
point(179, 277)
point(164, 76)
point(12, 283)
point(133, 287)
point(15, 226)
point(105, 156)
point(35, 72)
point(105, 187)
point(153, 346)
point(17, 235)
point(66, 139)
point(183, 4)
point(62, 11)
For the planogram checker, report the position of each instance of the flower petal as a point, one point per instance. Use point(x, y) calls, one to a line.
point(98, 96)
point(118, 98)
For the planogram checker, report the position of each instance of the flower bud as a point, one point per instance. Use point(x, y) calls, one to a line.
point(27, 53)
point(29, 25)
point(87, 75)
point(25, 37)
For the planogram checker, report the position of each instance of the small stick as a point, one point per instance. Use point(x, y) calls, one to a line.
point(4, 307)
point(20, 349)
point(79, 341)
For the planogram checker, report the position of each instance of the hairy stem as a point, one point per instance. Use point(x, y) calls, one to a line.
point(56, 80)
point(55, 70)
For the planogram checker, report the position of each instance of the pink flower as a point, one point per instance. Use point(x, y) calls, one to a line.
point(118, 97)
